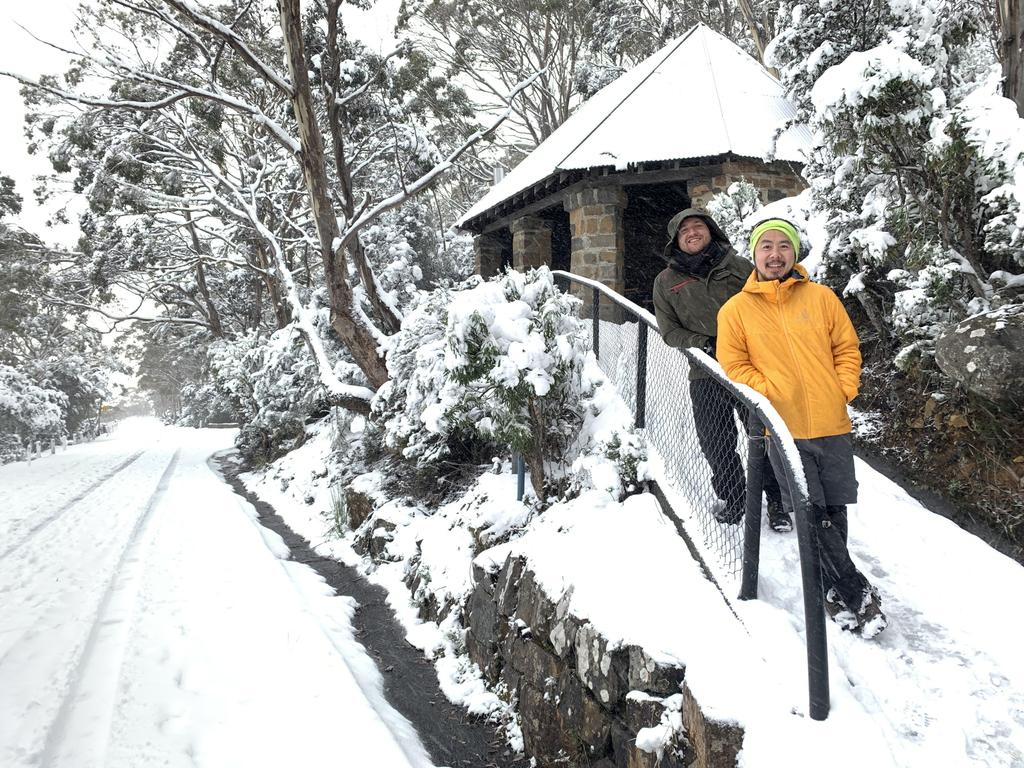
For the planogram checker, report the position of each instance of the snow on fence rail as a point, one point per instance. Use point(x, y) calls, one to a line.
point(653, 379)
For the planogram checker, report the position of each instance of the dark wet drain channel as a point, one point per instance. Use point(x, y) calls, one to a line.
point(453, 737)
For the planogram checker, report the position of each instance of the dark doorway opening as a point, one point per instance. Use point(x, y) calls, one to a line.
point(650, 208)
point(561, 237)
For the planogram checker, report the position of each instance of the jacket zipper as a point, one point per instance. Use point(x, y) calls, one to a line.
point(792, 353)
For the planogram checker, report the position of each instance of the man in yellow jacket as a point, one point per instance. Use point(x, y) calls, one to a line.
point(791, 340)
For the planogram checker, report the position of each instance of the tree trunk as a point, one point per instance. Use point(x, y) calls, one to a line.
point(389, 321)
point(281, 313)
point(1011, 50)
point(211, 311)
point(353, 332)
point(756, 33)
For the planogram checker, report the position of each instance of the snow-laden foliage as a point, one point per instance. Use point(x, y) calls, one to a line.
point(732, 207)
point(27, 412)
point(45, 339)
point(498, 364)
point(269, 385)
point(994, 131)
point(917, 160)
point(408, 253)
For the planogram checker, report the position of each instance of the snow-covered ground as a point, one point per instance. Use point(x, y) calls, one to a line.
point(148, 619)
point(943, 685)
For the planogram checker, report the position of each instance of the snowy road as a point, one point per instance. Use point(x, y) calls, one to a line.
point(148, 619)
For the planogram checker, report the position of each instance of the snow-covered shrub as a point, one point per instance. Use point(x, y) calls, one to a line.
point(995, 133)
point(515, 354)
point(732, 207)
point(269, 384)
point(416, 366)
point(27, 410)
point(616, 465)
point(82, 380)
point(11, 448)
point(499, 362)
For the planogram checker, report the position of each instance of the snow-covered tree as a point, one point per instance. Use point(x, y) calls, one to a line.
point(54, 359)
point(501, 361)
point(919, 204)
point(27, 411)
point(732, 207)
point(302, 159)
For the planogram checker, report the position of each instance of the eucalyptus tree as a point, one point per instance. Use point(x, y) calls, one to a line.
point(183, 114)
point(55, 366)
point(631, 30)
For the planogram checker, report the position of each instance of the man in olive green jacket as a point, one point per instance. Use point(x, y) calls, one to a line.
point(703, 272)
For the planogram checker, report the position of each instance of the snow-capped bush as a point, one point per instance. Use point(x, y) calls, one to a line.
point(732, 207)
point(500, 362)
point(270, 385)
point(27, 411)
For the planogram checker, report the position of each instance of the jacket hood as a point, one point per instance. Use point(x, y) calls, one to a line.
point(717, 235)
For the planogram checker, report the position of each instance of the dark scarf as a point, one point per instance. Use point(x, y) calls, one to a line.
point(698, 265)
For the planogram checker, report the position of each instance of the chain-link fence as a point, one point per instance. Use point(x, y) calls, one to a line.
point(707, 445)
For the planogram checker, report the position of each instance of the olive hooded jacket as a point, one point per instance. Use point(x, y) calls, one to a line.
point(686, 305)
point(792, 341)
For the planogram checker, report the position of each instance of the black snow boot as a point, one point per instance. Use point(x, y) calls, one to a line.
point(779, 519)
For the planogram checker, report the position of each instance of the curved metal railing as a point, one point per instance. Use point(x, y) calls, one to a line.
point(652, 378)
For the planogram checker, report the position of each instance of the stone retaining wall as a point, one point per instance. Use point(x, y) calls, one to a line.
point(581, 701)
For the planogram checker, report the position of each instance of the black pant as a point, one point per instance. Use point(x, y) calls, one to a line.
point(714, 415)
point(837, 569)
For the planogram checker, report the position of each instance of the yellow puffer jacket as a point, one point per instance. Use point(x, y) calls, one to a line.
point(794, 343)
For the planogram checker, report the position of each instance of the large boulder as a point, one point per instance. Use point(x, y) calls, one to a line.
point(985, 354)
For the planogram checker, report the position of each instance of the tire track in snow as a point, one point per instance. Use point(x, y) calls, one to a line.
point(42, 524)
point(79, 732)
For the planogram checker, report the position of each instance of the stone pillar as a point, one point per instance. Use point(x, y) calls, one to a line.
point(531, 243)
point(487, 255)
point(598, 240)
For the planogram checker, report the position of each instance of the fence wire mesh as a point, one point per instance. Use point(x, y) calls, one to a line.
point(693, 428)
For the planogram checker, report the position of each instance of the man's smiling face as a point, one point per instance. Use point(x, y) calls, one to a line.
point(694, 235)
point(773, 256)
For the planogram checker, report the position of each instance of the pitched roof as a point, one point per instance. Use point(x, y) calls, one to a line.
point(699, 96)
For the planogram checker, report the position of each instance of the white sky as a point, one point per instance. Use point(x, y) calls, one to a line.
point(20, 53)
point(52, 20)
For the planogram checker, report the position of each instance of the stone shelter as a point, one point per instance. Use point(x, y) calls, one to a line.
point(595, 196)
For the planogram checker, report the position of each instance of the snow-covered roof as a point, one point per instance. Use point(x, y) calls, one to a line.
point(699, 96)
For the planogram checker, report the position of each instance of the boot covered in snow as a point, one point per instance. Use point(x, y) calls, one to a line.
point(870, 619)
point(867, 621)
point(838, 612)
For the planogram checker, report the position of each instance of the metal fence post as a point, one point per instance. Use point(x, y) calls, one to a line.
point(596, 308)
point(814, 606)
point(520, 465)
point(752, 518)
point(641, 376)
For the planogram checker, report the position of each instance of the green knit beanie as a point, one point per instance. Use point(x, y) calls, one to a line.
point(780, 225)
